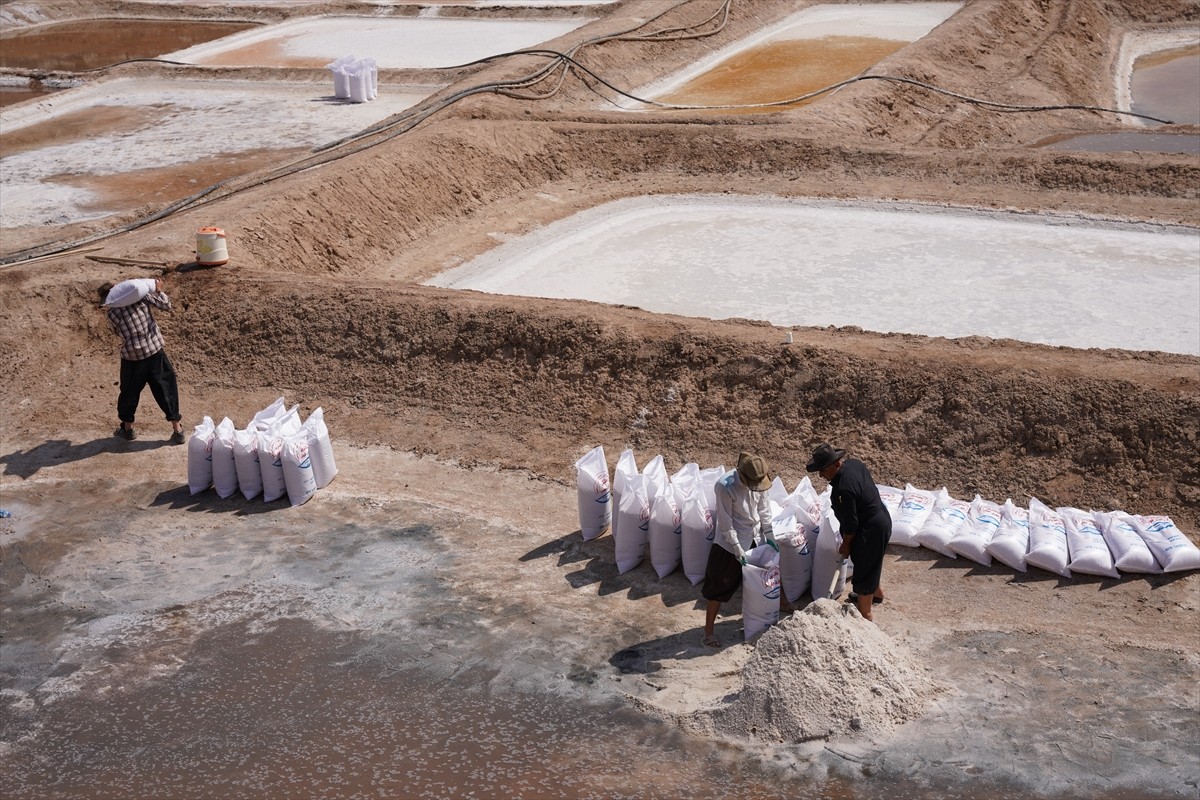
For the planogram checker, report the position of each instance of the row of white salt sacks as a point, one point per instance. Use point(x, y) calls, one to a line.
point(674, 517)
point(1061, 540)
point(274, 455)
point(677, 530)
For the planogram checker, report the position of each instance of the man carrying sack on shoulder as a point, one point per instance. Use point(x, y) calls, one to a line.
point(143, 360)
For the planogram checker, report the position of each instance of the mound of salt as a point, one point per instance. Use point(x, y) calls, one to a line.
point(824, 673)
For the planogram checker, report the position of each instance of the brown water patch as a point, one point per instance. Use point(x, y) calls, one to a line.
point(782, 70)
point(86, 123)
point(12, 96)
point(270, 53)
point(90, 44)
point(1166, 85)
point(159, 185)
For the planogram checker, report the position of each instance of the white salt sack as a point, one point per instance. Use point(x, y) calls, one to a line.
point(829, 566)
point(1011, 541)
point(263, 418)
point(1085, 544)
point(625, 471)
point(971, 540)
point(1047, 539)
point(320, 448)
point(777, 493)
point(911, 516)
point(592, 493)
point(298, 477)
point(947, 516)
point(126, 293)
point(795, 556)
point(636, 502)
point(270, 453)
point(224, 469)
point(245, 460)
point(665, 533)
point(891, 498)
point(760, 590)
point(199, 468)
point(1129, 549)
point(1173, 550)
point(699, 524)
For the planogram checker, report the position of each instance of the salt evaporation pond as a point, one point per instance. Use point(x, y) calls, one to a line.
point(906, 269)
point(87, 44)
point(407, 43)
point(112, 146)
point(810, 50)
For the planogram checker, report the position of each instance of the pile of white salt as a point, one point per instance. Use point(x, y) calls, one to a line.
point(823, 673)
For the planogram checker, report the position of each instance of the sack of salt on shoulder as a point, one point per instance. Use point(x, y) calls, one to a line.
point(593, 497)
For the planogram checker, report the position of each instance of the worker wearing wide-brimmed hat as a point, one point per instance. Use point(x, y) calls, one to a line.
point(865, 522)
point(743, 521)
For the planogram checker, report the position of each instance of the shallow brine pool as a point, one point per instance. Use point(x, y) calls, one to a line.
point(810, 50)
point(407, 43)
point(907, 269)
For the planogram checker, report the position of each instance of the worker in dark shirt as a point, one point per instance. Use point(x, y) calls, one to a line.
point(865, 523)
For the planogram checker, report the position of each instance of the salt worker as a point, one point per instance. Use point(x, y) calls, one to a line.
point(743, 522)
point(143, 361)
point(865, 522)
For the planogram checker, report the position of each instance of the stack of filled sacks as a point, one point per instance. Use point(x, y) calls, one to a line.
point(274, 455)
point(1059, 540)
point(674, 519)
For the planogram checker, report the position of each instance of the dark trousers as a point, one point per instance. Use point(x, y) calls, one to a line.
point(159, 374)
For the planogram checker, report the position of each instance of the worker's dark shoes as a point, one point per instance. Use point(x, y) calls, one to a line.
point(125, 433)
point(177, 437)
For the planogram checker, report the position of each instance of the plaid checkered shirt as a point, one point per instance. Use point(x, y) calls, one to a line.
point(140, 336)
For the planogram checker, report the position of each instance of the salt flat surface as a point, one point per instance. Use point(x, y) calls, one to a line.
point(904, 22)
point(409, 43)
point(200, 120)
point(912, 269)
